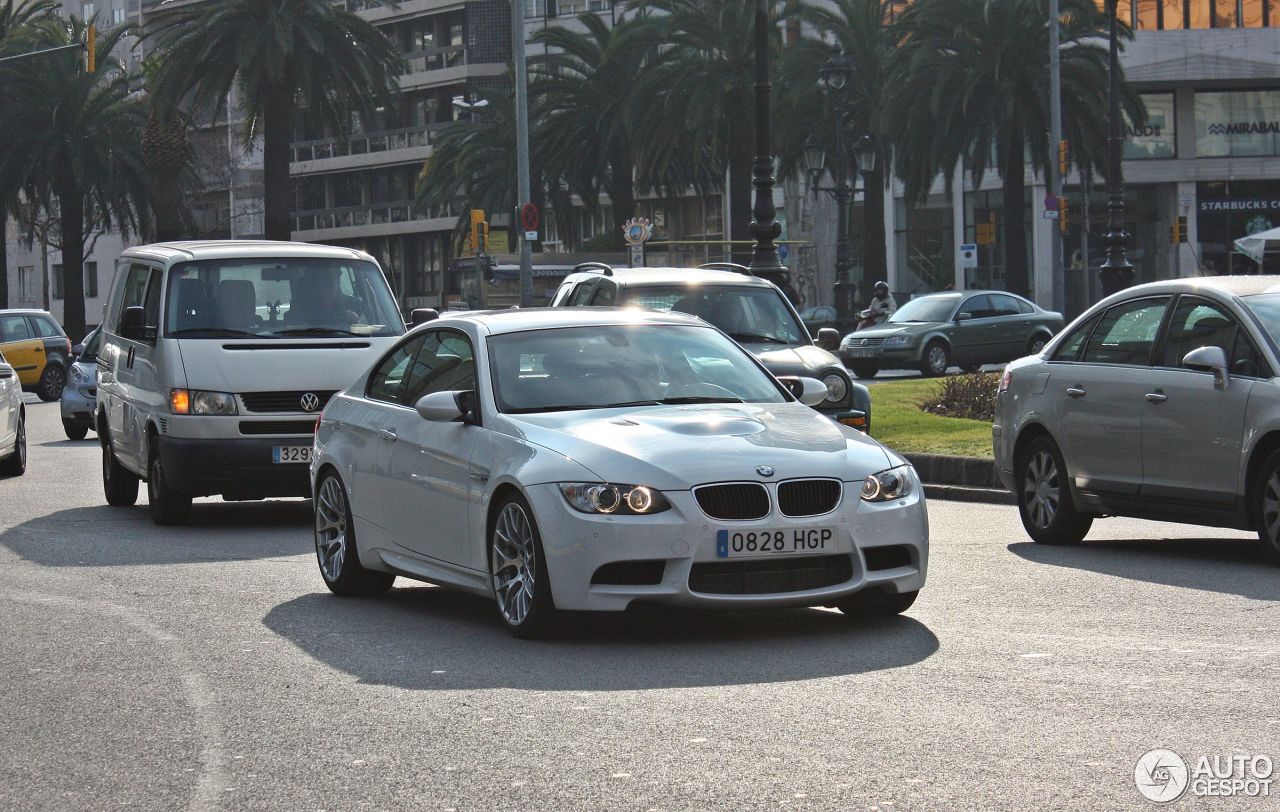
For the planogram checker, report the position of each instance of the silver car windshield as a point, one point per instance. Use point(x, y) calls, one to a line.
point(623, 365)
point(279, 298)
point(928, 308)
point(1266, 307)
point(747, 314)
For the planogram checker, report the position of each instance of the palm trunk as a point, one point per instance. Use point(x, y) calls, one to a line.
point(71, 219)
point(4, 258)
point(1015, 232)
point(166, 206)
point(622, 193)
point(873, 244)
point(741, 156)
point(277, 137)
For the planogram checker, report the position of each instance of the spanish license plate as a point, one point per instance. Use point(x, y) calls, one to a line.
point(860, 352)
point(734, 543)
point(287, 454)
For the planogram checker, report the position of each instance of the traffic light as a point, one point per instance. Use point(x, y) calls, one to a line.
point(479, 231)
point(1179, 227)
point(1064, 158)
point(91, 48)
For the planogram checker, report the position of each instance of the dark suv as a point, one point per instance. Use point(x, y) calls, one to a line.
point(750, 310)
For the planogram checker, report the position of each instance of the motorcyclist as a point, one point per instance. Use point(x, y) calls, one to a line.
point(881, 307)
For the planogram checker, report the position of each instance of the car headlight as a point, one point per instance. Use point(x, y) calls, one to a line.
point(898, 341)
point(837, 387)
point(886, 485)
point(609, 498)
point(194, 401)
point(77, 375)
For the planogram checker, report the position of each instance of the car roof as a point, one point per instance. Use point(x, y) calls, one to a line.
point(1230, 285)
point(496, 322)
point(188, 250)
point(639, 277)
point(25, 311)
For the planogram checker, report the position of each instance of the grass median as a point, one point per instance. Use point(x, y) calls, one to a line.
point(898, 422)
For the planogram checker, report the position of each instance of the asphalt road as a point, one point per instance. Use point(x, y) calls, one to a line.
point(208, 667)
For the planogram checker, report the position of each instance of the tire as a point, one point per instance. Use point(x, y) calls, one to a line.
point(1266, 505)
point(74, 430)
point(972, 369)
point(119, 484)
point(16, 463)
point(168, 506)
point(935, 360)
point(52, 381)
point(876, 603)
point(1044, 496)
point(516, 559)
point(336, 551)
point(864, 370)
point(1036, 344)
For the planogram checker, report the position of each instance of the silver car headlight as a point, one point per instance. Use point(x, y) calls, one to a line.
point(837, 387)
point(77, 375)
point(898, 341)
point(195, 401)
point(894, 483)
point(609, 498)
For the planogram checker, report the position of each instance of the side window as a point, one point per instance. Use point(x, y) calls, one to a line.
point(1003, 305)
point(386, 382)
point(135, 290)
point(1024, 307)
point(45, 328)
point(582, 294)
point(978, 307)
point(1069, 349)
point(14, 328)
point(1245, 360)
point(563, 295)
point(1126, 333)
point(1198, 323)
point(151, 303)
point(443, 364)
point(606, 294)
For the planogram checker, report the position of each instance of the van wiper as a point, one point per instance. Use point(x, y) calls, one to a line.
point(315, 331)
point(213, 332)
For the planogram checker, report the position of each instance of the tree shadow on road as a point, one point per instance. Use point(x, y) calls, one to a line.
point(1231, 566)
point(103, 536)
point(401, 638)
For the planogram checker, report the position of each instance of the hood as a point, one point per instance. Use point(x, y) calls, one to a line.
point(678, 447)
point(218, 365)
point(805, 359)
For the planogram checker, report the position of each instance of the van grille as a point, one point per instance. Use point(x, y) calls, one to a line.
point(278, 427)
point(808, 497)
point(737, 501)
point(282, 401)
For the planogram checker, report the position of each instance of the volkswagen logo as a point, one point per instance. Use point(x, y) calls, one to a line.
point(764, 470)
point(310, 402)
point(864, 343)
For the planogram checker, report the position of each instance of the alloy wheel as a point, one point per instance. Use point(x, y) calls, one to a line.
point(1041, 489)
point(21, 444)
point(514, 563)
point(54, 382)
point(1271, 508)
point(331, 529)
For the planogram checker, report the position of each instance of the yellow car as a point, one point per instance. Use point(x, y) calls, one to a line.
point(37, 349)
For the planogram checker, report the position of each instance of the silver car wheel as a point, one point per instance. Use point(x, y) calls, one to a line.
point(514, 563)
point(1041, 489)
point(937, 359)
point(331, 529)
point(1271, 507)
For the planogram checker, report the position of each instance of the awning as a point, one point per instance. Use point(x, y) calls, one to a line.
point(1255, 245)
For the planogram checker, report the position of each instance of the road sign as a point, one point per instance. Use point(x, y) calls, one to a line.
point(636, 255)
point(1051, 202)
point(1051, 214)
point(783, 250)
point(636, 230)
point(529, 219)
point(968, 255)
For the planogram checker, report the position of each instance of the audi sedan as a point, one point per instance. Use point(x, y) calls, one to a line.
point(589, 458)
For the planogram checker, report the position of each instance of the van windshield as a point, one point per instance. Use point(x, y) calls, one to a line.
point(279, 298)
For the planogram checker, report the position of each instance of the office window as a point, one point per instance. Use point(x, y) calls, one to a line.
point(1156, 139)
point(118, 16)
point(535, 8)
point(57, 281)
point(90, 279)
point(1201, 13)
point(1237, 123)
point(1224, 13)
point(1172, 12)
point(1148, 15)
point(27, 283)
point(88, 11)
point(1251, 13)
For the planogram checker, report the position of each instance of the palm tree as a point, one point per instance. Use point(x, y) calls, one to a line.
point(16, 24)
point(281, 56)
point(970, 79)
point(860, 30)
point(75, 137)
point(166, 154)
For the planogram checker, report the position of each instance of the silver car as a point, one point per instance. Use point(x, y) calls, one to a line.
point(80, 395)
point(1160, 402)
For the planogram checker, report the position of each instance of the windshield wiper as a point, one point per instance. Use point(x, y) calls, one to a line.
point(213, 332)
point(701, 399)
point(757, 337)
point(315, 331)
point(570, 407)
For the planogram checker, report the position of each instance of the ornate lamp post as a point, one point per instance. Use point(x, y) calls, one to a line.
point(1116, 273)
point(764, 228)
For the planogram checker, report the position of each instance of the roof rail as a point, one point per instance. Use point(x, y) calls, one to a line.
point(727, 266)
point(602, 267)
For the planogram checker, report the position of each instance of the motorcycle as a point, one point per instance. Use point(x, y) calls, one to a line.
point(869, 318)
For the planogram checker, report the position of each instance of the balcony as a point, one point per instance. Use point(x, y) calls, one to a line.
point(363, 143)
point(369, 215)
point(429, 59)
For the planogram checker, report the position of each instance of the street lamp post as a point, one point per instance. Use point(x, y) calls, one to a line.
point(764, 227)
point(1116, 273)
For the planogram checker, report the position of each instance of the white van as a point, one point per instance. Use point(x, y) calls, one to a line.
point(217, 358)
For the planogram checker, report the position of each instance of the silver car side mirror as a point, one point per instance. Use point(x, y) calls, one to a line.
point(812, 391)
point(1209, 359)
point(439, 407)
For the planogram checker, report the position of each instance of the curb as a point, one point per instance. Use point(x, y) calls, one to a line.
point(956, 493)
point(963, 479)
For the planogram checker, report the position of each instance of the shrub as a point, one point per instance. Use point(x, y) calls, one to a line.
point(970, 396)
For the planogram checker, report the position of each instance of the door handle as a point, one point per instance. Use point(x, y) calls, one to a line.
point(1156, 397)
point(388, 434)
point(39, 349)
point(1075, 392)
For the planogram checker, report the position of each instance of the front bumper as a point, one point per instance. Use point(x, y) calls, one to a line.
point(79, 402)
point(578, 545)
point(883, 358)
point(234, 469)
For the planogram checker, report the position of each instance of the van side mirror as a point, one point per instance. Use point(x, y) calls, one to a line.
point(828, 339)
point(133, 324)
point(422, 315)
point(1209, 359)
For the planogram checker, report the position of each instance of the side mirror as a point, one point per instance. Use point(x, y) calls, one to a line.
point(447, 407)
point(133, 324)
point(828, 339)
point(809, 391)
point(422, 315)
point(77, 350)
point(1209, 359)
point(963, 316)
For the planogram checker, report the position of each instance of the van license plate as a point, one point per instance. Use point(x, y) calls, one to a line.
point(287, 454)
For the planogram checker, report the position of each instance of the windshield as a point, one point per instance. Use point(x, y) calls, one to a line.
point(926, 308)
point(279, 298)
point(90, 351)
point(623, 365)
point(1267, 308)
point(747, 314)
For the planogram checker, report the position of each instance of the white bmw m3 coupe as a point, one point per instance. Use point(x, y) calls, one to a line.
point(585, 459)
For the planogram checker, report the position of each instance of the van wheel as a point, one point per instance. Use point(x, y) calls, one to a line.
point(1267, 505)
point(51, 383)
point(1044, 496)
point(16, 463)
point(118, 483)
point(167, 505)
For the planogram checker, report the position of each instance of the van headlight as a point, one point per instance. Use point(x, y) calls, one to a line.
point(894, 483)
point(604, 498)
point(195, 401)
